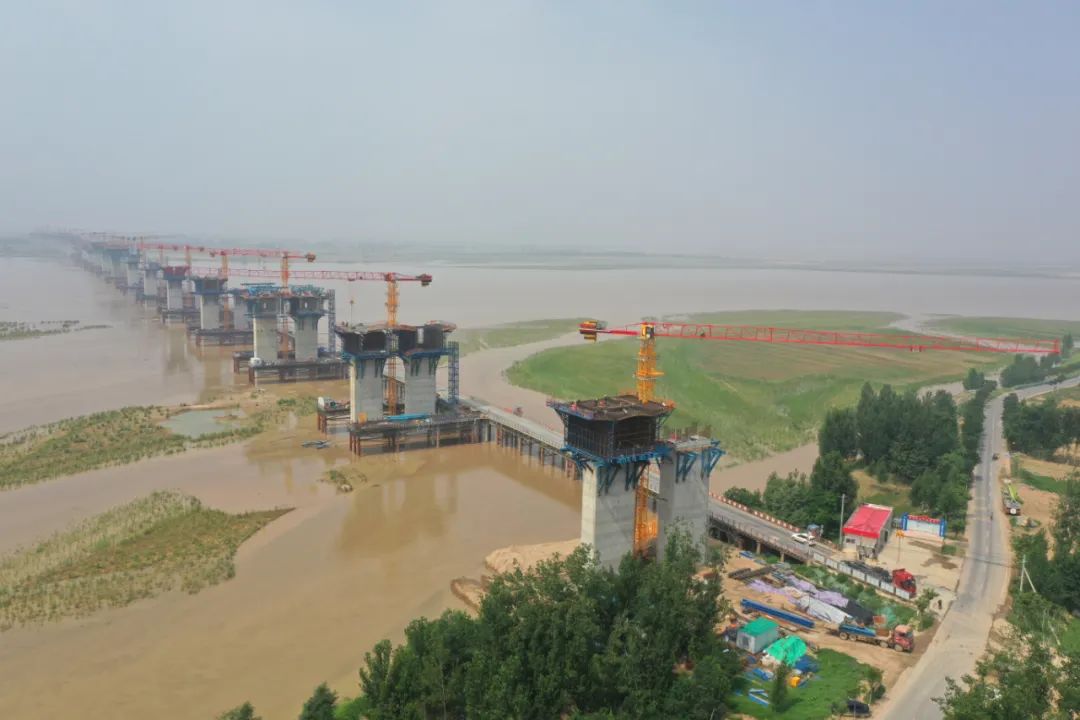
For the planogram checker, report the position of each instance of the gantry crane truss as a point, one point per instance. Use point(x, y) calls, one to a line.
point(648, 371)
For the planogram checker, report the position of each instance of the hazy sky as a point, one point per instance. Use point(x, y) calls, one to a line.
point(932, 129)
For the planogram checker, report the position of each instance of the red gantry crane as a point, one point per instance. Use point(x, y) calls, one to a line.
point(284, 255)
point(648, 370)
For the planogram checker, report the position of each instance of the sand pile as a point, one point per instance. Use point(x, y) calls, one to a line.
point(527, 556)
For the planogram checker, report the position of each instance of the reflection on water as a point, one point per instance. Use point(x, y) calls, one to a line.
point(312, 593)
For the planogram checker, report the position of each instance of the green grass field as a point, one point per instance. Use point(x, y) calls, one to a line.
point(510, 334)
point(1008, 327)
point(1041, 482)
point(756, 398)
point(162, 542)
point(838, 680)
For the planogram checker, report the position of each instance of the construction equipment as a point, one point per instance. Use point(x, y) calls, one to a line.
point(391, 279)
point(901, 638)
point(648, 371)
point(904, 580)
point(284, 255)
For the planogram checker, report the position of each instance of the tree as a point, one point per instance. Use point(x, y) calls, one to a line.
point(569, 638)
point(243, 712)
point(321, 705)
point(838, 433)
point(1066, 345)
point(778, 696)
point(789, 498)
point(830, 479)
point(1024, 689)
point(1067, 520)
point(749, 498)
point(974, 379)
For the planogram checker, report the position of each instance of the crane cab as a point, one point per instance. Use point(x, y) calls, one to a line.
point(590, 328)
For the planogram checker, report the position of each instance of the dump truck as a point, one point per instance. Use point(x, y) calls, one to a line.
point(901, 639)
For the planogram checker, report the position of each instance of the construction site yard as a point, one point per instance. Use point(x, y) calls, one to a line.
point(890, 662)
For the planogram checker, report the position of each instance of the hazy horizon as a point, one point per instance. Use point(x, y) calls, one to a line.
point(913, 132)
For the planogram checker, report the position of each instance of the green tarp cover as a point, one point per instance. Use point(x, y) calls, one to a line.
point(759, 626)
point(787, 650)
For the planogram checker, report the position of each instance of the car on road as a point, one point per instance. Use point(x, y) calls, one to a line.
point(995, 456)
point(801, 537)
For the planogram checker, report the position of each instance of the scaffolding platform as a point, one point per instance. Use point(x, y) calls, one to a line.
point(447, 427)
point(186, 314)
point(222, 336)
point(293, 371)
point(613, 429)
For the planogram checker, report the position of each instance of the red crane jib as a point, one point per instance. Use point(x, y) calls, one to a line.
point(424, 279)
point(798, 336)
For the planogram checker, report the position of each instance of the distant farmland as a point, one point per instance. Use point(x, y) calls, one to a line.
point(757, 398)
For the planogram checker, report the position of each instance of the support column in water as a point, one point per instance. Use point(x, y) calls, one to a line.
point(173, 276)
point(209, 291)
point(264, 306)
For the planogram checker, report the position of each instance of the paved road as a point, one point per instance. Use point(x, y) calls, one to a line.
point(983, 587)
point(778, 537)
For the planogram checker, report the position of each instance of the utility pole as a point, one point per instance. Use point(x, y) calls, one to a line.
point(843, 497)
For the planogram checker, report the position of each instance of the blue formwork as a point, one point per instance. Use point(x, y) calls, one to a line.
point(777, 613)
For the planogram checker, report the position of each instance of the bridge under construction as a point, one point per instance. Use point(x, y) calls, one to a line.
point(640, 483)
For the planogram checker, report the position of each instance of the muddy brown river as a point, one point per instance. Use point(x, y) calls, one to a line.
point(313, 591)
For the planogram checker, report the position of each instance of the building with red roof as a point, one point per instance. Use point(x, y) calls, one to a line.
point(867, 530)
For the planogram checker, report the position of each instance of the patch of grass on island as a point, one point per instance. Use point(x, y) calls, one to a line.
point(840, 678)
point(511, 334)
point(14, 330)
point(758, 398)
point(163, 542)
point(120, 437)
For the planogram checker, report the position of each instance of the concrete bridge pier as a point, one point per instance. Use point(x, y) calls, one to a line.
point(607, 511)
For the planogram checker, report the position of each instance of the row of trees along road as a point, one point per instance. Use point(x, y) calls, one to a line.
point(570, 639)
point(916, 440)
point(1040, 428)
point(1036, 676)
point(1026, 369)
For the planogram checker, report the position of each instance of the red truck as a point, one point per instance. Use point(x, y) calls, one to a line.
point(904, 580)
point(901, 639)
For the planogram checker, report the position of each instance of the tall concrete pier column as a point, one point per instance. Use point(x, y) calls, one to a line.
point(173, 276)
point(116, 264)
point(684, 492)
point(607, 511)
point(306, 307)
point(209, 291)
point(420, 384)
point(264, 310)
point(134, 276)
point(150, 280)
point(366, 388)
